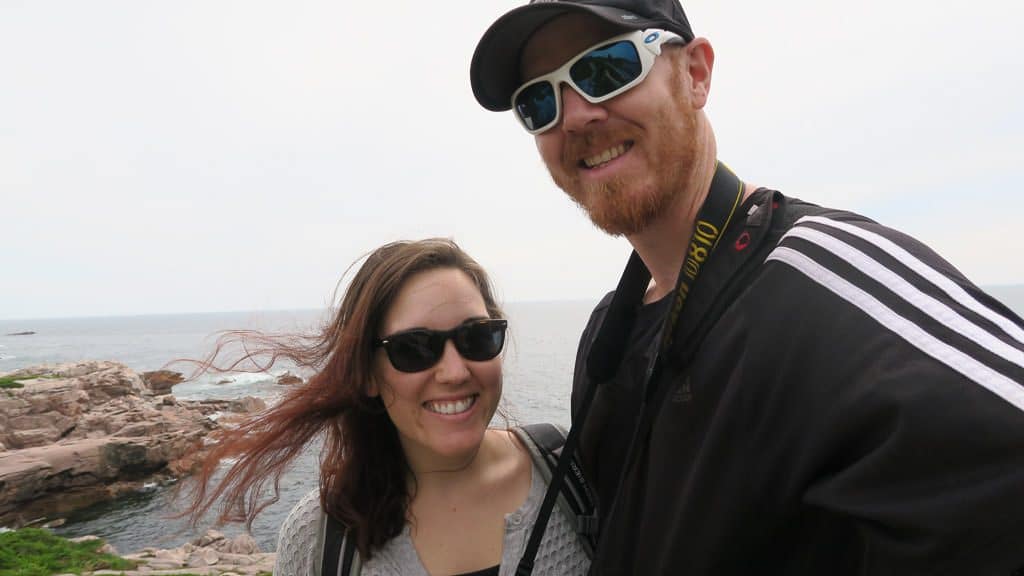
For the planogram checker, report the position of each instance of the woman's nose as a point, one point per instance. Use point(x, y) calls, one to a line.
point(452, 366)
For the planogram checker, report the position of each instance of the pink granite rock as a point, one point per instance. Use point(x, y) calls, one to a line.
point(76, 433)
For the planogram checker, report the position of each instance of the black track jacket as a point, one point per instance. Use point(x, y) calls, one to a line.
point(850, 405)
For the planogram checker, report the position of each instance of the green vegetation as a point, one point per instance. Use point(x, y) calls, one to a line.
point(35, 552)
point(10, 381)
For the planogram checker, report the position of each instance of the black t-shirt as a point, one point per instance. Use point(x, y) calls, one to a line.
point(619, 400)
point(843, 402)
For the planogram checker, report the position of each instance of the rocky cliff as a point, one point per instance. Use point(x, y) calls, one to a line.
point(73, 434)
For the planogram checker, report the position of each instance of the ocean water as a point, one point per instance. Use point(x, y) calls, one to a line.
point(539, 360)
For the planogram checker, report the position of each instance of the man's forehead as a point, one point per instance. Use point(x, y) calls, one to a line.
point(558, 40)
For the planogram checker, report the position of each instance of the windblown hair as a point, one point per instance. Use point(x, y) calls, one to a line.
point(363, 470)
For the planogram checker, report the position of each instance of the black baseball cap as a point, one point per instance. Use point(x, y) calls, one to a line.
point(494, 72)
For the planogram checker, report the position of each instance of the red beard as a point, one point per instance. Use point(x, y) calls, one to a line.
point(625, 205)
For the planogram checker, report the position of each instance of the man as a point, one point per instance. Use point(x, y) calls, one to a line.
point(773, 387)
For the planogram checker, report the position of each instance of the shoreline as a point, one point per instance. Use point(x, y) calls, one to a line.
point(75, 434)
point(37, 551)
point(213, 553)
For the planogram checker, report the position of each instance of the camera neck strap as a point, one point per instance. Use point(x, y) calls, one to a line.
point(724, 197)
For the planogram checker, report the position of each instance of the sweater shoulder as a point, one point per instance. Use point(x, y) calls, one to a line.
point(298, 540)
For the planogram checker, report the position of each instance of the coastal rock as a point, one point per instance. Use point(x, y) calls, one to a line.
point(203, 557)
point(161, 381)
point(247, 405)
point(104, 549)
point(211, 553)
point(210, 538)
point(78, 433)
point(288, 379)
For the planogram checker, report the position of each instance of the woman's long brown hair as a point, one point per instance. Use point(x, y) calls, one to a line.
point(363, 471)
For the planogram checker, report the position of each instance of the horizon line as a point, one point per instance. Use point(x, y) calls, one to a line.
point(250, 311)
point(986, 288)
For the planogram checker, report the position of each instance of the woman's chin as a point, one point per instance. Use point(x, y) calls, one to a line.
point(459, 448)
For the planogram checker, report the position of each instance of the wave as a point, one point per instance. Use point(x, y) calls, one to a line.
point(231, 385)
point(238, 379)
point(241, 378)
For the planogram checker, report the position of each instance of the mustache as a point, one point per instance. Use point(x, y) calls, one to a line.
point(578, 146)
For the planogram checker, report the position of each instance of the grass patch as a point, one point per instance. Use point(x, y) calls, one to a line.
point(9, 382)
point(35, 552)
point(12, 381)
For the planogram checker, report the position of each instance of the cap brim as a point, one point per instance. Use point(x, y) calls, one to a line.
point(494, 71)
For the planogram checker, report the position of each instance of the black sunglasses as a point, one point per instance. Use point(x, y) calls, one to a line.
point(418, 349)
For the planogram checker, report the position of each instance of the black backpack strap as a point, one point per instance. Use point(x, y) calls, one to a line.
point(575, 497)
point(339, 551)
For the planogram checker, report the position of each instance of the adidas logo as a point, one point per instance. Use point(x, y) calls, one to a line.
point(682, 393)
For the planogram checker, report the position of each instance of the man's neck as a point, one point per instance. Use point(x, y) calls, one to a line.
point(662, 245)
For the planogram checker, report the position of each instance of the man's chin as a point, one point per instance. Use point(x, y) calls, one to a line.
point(615, 226)
point(616, 213)
point(614, 207)
point(618, 220)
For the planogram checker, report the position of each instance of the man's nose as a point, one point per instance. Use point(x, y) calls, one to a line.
point(577, 112)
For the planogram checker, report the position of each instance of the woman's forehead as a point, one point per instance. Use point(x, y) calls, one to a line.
point(440, 296)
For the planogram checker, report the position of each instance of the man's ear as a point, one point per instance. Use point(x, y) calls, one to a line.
point(699, 63)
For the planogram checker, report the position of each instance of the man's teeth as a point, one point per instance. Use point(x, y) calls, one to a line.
point(605, 156)
point(451, 407)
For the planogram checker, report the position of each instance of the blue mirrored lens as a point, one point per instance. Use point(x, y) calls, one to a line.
point(536, 105)
point(606, 69)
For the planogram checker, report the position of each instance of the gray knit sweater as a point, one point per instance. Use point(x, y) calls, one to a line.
point(560, 553)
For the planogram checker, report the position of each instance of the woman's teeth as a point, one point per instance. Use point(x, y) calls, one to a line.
point(606, 156)
point(451, 406)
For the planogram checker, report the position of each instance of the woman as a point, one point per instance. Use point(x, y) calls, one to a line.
point(407, 378)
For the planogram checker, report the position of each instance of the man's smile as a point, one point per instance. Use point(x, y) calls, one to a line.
point(601, 158)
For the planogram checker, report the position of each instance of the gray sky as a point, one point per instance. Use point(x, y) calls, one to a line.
point(190, 156)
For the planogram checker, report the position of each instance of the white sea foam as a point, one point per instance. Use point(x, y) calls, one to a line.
point(248, 378)
point(227, 386)
point(234, 380)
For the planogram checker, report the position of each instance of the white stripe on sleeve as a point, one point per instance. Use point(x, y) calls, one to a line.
point(927, 272)
point(922, 301)
point(995, 382)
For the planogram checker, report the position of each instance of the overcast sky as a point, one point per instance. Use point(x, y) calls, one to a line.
point(192, 156)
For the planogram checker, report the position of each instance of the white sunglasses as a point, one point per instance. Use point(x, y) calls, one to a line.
point(598, 73)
